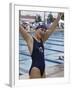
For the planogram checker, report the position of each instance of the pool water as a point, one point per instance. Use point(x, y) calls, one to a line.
point(54, 47)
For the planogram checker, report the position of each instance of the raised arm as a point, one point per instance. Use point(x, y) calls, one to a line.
point(53, 27)
point(24, 33)
point(27, 37)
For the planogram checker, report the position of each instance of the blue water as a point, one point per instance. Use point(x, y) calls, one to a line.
point(54, 47)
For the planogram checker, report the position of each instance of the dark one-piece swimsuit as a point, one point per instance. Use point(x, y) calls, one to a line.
point(38, 56)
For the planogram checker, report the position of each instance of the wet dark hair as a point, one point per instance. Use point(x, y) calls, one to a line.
point(41, 26)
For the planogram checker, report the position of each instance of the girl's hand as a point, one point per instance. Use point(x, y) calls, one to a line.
point(60, 14)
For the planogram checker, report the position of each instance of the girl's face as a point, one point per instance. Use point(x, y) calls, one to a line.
point(41, 32)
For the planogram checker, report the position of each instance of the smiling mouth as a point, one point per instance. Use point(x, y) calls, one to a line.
point(42, 33)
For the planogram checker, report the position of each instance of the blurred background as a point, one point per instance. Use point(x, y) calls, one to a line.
point(54, 46)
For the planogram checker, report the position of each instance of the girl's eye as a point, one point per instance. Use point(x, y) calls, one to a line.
point(42, 29)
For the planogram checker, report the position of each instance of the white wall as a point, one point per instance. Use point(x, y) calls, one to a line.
point(4, 42)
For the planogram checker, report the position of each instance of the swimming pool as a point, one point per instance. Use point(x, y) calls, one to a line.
point(54, 47)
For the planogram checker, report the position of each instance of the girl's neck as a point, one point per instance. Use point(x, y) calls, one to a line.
point(37, 38)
